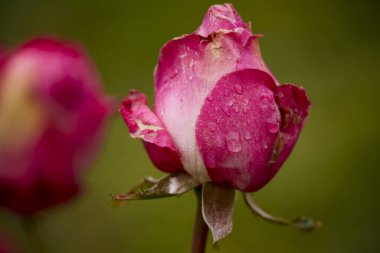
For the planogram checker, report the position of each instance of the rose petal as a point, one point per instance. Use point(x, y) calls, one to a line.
point(237, 128)
point(144, 124)
point(294, 107)
point(220, 17)
point(251, 57)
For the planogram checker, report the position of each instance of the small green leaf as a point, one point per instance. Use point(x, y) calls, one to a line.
point(217, 208)
point(151, 188)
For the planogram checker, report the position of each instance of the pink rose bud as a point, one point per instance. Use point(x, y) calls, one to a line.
point(220, 114)
point(52, 117)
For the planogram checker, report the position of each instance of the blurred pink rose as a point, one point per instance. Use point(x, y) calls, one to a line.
point(2, 56)
point(8, 243)
point(52, 116)
point(220, 114)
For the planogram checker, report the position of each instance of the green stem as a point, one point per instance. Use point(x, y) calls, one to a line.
point(200, 227)
point(31, 230)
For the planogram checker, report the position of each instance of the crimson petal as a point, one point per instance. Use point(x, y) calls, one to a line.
point(237, 129)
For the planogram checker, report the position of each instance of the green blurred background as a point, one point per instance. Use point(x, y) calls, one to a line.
point(329, 47)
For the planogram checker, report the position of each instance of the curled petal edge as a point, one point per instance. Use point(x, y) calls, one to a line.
point(144, 124)
point(294, 106)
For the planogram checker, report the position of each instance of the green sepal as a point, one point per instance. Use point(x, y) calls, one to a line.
point(151, 188)
point(218, 202)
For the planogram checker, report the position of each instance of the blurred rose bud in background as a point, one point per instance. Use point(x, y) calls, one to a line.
point(2, 56)
point(8, 243)
point(52, 118)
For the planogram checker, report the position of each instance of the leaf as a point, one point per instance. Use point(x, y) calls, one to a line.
point(300, 222)
point(217, 208)
point(151, 188)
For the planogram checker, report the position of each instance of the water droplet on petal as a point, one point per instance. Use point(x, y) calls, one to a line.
point(273, 128)
point(219, 120)
point(273, 124)
point(226, 110)
point(247, 135)
point(264, 99)
point(245, 106)
point(230, 102)
point(233, 142)
point(264, 107)
point(219, 140)
point(235, 108)
point(212, 126)
point(238, 88)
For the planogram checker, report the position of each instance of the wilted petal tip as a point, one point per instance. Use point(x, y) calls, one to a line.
point(220, 17)
point(301, 101)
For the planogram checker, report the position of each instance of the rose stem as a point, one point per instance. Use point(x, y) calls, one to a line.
point(30, 225)
point(200, 227)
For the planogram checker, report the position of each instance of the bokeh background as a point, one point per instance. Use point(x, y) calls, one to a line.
point(329, 47)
